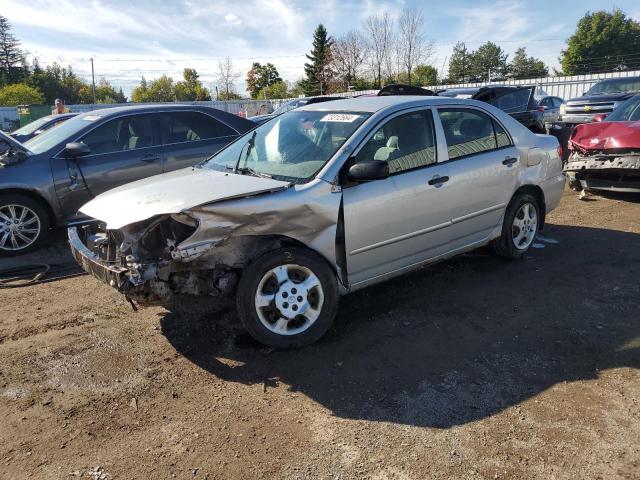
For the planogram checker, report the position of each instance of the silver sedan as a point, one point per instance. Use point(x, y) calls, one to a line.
point(322, 201)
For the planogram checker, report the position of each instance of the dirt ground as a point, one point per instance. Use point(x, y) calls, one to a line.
point(475, 368)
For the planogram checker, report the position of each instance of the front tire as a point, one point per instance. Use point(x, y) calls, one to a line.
point(287, 298)
point(24, 224)
point(519, 228)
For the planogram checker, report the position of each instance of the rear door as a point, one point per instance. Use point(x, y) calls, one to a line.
point(189, 137)
point(483, 170)
point(402, 220)
point(514, 101)
point(123, 150)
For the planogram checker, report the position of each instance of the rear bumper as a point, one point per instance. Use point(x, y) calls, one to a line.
point(552, 189)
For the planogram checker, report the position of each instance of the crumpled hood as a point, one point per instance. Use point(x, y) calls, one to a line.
point(172, 193)
point(606, 136)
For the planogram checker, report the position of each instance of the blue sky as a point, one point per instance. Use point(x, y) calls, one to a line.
point(133, 38)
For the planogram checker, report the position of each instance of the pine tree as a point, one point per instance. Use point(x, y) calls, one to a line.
point(12, 61)
point(318, 73)
point(460, 63)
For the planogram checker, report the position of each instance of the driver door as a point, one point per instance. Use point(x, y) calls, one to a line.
point(402, 220)
point(123, 150)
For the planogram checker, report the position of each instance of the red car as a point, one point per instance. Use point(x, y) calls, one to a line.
point(605, 154)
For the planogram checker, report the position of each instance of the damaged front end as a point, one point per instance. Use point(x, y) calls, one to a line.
point(605, 157)
point(142, 262)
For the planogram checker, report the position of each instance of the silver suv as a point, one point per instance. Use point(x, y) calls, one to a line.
point(322, 201)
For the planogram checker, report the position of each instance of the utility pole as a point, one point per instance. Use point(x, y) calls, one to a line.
point(93, 82)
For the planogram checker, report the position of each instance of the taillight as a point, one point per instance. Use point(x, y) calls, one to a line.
point(560, 152)
point(540, 108)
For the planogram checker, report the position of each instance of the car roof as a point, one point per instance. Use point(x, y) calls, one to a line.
point(375, 104)
point(240, 124)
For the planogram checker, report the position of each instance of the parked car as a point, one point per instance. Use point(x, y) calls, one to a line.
point(605, 155)
point(519, 102)
point(321, 201)
point(44, 181)
point(551, 106)
point(602, 98)
point(39, 126)
point(292, 105)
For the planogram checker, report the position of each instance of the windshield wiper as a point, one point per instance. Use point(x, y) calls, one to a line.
point(249, 146)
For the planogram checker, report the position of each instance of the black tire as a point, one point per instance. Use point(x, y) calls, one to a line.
point(43, 222)
point(505, 246)
point(251, 279)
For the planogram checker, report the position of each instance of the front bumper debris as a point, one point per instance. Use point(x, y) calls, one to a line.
point(611, 172)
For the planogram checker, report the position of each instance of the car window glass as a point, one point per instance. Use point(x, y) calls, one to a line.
point(502, 139)
point(546, 102)
point(405, 142)
point(512, 102)
point(121, 134)
point(557, 102)
point(180, 127)
point(470, 131)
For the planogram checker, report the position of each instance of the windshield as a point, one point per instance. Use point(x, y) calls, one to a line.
point(65, 131)
point(621, 85)
point(285, 107)
point(629, 111)
point(29, 128)
point(291, 147)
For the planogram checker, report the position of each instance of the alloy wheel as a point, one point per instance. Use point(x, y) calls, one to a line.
point(525, 226)
point(19, 227)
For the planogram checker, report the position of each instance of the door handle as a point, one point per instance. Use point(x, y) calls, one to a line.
point(438, 180)
point(150, 158)
point(509, 161)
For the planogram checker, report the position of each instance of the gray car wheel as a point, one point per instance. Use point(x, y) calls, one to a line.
point(24, 224)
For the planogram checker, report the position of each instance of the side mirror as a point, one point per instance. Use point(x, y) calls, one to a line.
point(76, 150)
point(368, 171)
point(599, 117)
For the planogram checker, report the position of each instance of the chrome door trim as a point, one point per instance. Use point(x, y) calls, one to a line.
point(400, 238)
point(478, 213)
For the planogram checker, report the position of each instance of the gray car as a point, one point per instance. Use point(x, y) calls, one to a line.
point(44, 181)
point(322, 201)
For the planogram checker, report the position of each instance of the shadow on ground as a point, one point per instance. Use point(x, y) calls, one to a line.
point(453, 343)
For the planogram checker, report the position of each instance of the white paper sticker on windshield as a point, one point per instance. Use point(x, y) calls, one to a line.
point(339, 117)
point(92, 118)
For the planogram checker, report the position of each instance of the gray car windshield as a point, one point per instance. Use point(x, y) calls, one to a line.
point(65, 132)
point(291, 147)
point(32, 127)
point(629, 111)
point(615, 86)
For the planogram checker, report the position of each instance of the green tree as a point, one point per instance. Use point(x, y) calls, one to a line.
point(161, 89)
point(260, 76)
point(140, 93)
point(231, 95)
point(318, 72)
point(12, 61)
point(522, 66)
point(603, 41)
point(56, 81)
point(489, 62)
point(20, 94)
point(191, 88)
point(425, 75)
point(460, 64)
point(277, 90)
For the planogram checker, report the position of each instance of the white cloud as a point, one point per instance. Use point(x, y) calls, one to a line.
point(232, 19)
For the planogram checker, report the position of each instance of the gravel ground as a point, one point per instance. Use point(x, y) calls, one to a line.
point(474, 368)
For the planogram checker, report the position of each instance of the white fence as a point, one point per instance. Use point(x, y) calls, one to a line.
point(563, 87)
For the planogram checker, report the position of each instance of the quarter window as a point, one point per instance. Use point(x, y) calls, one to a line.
point(405, 143)
point(180, 127)
point(469, 132)
point(121, 134)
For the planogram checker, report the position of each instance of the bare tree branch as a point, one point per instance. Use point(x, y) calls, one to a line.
point(378, 29)
point(227, 75)
point(412, 47)
point(348, 54)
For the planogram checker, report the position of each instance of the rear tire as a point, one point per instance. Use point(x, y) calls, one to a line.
point(24, 224)
point(287, 298)
point(519, 228)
